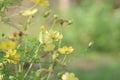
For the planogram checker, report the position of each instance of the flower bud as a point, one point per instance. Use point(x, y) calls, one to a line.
point(55, 16)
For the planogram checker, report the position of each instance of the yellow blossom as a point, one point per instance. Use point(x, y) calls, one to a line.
point(6, 45)
point(41, 2)
point(42, 28)
point(44, 38)
point(49, 47)
point(69, 76)
point(28, 12)
point(66, 50)
point(54, 35)
point(49, 36)
point(12, 57)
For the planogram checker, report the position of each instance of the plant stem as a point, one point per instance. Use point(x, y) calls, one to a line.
point(7, 21)
point(28, 70)
point(19, 68)
point(53, 24)
point(50, 71)
point(64, 59)
point(31, 61)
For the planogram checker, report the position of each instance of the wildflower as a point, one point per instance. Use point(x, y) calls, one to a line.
point(6, 45)
point(55, 35)
point(42, 28)
point(66, 50)
point(29, 12)
point(49, 36)
point(49, 47)
point(41, 2)
point(69, 76)
point(12, 57)
point(44, 38)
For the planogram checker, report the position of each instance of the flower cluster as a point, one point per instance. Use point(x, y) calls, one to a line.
point(11, 56)
point(29, 58)
point(50, 41)
point(8, 47)
point(48, 37)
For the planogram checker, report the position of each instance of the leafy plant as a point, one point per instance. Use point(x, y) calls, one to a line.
point(23, 57)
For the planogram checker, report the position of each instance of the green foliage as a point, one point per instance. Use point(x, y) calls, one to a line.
point(24, 57)
point(97, 23)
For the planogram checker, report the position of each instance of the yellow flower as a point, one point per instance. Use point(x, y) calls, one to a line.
point(49, 47)
point(54, 35)
point(69, 76)
point(49, 36)
point(6, 45)
point(41, 2)
point(12, 57)
point(66, 50)
point(42, 28)
point(44, 38)
point(28, 12)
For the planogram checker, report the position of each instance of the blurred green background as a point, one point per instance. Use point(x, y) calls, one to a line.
point(94, 21)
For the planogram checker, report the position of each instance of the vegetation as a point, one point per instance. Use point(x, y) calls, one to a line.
point(24, 57)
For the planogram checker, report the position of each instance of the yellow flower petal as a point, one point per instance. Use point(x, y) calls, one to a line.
point(6, 45)
point(41, 2)
point(29, 12)
point(12, 57)
point(66, 50)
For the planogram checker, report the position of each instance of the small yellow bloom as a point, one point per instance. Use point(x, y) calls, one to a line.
point(49, 47)
point(28, 12)
point(49, 36)
point(44, 38)
point(42, 28)
point(69, 76)
point(12, 57)
point(41, 2)
point(65, 50)
point(54, 35)
point(6, 45)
